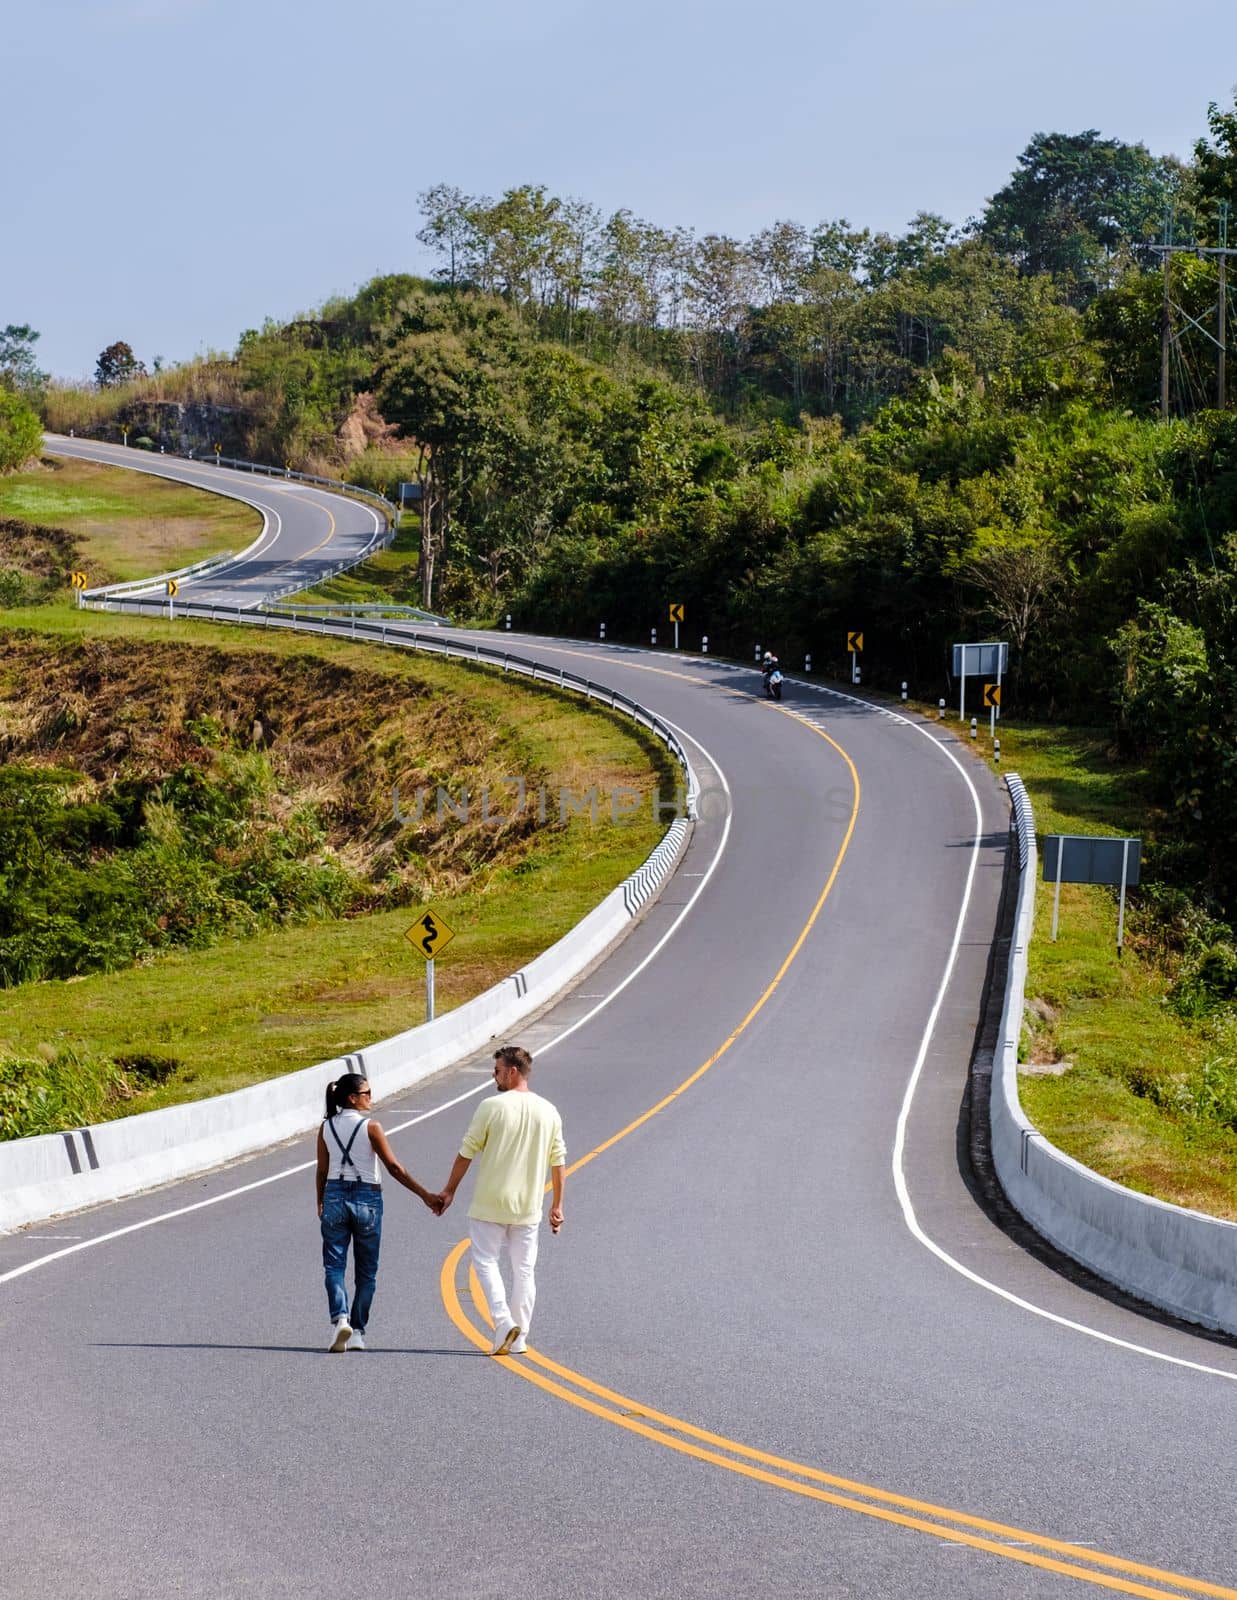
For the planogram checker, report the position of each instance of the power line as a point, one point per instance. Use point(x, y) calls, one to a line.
point(1171, 333)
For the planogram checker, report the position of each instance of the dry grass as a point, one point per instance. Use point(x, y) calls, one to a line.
point(124, 524)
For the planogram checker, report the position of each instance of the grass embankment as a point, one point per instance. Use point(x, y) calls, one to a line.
point(1114, 1075)
point(119, 524)
point(209, 1020)
point(389, 576)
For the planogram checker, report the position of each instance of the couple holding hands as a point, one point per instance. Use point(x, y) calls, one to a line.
point(514, 1136)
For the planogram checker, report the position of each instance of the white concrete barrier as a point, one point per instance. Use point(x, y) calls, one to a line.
point(1182, 1261)
point(56, 1172)
point(50, 1174)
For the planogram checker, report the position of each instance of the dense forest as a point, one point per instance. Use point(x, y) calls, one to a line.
point(950, 433)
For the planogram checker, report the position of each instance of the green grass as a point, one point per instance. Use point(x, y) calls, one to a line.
point(253, 1008)
point(1104, 1016)
point(127, 524)
point(389, 575)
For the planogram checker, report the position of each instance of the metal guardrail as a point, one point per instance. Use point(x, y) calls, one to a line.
point(336, 484)
point(136, 586)
point(373, 608)
point(401, 638)
point(1022, 820)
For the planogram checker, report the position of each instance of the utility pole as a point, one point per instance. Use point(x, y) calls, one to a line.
point(1222, 320)
point(1166, 317)
point(1169, 334)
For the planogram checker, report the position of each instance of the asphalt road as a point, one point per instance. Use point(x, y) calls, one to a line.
point(779, 1349)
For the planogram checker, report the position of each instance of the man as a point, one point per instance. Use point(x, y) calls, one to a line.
point(516, 1134)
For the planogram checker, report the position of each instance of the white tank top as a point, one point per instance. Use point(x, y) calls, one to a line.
point(338, 1130)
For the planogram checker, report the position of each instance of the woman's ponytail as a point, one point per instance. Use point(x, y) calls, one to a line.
point(337, 1093)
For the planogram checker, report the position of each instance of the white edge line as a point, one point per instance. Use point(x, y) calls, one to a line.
point(304, 1166)
point(899, 1143)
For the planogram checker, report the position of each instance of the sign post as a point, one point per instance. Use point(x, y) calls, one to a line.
point(992, 699)
point(429, 935)
point(676, 616)
point(1091, 858)
point(854, 643)
point(986, 660)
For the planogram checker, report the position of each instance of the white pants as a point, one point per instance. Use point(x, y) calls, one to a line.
point(520, 1239)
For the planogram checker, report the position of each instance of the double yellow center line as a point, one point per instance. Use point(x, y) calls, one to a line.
point(777, 1472)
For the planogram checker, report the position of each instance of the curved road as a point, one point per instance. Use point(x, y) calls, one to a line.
point(780, 1350)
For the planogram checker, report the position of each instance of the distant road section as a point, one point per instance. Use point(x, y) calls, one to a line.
point(307, 534)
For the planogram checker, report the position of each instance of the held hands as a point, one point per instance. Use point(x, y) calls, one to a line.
point(438, 1203)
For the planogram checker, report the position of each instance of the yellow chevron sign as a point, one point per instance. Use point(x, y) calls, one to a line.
point(173, 586)
point(854, 641)
point(992, 694)
point(78, 579)
point(676, 612)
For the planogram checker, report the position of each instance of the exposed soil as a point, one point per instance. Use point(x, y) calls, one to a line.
point(337, 738)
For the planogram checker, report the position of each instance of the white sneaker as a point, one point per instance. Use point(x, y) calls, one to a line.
point(519, 1347)
point(504, 1338)
point(357, 1342)
point(341, 1332)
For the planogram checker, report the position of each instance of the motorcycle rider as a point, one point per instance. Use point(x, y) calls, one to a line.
point(768, 666)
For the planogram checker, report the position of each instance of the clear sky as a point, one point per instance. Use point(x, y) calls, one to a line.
point(178, 170)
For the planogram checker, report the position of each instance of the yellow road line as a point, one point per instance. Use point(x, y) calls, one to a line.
point(649, 1423)
point(644, 1420)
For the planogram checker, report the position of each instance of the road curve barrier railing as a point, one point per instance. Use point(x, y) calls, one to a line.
point(50, 1174)
point(335, 485)
point(140, 586)
point(1182, 1261)
point(383, 533)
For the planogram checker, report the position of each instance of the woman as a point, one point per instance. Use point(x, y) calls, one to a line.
point(350, 1146)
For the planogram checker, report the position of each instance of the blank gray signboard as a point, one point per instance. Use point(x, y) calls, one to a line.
point(1086, 859)
point(980, 660)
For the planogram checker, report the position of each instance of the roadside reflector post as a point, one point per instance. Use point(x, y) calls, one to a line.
point(996, 751)
point(758, 652)
point(508, 622)
point(854, 676)
point(940, 709)
point(807, 663)
point(603, 630)
point(974, 727)
point(1056, 896)
point(704, 644)
point(904, 688)
point(653, 633)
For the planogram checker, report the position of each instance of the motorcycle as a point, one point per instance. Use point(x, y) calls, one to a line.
point(773, 684)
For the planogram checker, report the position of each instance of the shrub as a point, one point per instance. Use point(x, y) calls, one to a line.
point(21, 433)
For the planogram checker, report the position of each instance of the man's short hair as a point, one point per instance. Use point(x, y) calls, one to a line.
point(513, 1055)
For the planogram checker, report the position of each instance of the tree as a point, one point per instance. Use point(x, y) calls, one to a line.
point(1021, 583)
point(17, 368)
point(1076, 204)
point(21, 432)
point(449, 227)
point(1215, 162)
point(117, 364)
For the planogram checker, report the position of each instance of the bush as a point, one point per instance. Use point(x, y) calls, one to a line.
point(21, 432)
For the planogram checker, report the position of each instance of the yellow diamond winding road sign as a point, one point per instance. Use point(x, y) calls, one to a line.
point(429, 933)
